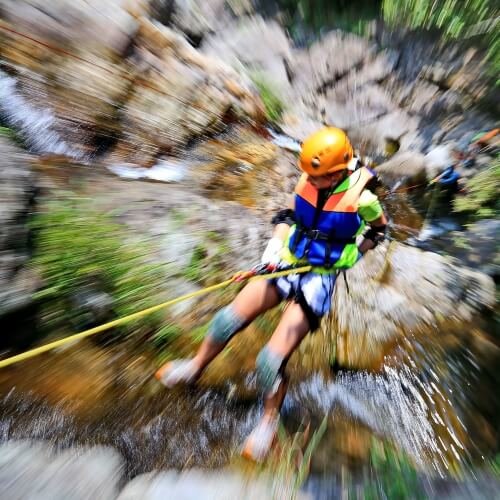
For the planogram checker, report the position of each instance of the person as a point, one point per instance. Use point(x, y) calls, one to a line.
point(331, 208)
point(448, 179)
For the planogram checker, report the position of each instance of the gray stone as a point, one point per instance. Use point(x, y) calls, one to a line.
point(403, 167)
point(204, 485)
point(260, 46)
point(35, 470)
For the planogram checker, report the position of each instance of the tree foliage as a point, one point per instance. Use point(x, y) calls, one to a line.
point(457, 19)
point(483, 194)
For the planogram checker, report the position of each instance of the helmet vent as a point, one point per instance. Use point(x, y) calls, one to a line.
point(315, 162)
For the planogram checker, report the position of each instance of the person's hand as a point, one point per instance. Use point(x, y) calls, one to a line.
point(272, 253)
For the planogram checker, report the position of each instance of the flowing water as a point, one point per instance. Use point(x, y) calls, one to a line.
point(432, 401)
point(36, 126)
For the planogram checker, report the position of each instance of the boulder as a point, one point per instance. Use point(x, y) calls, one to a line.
point(70, 69)
point(329, 60)
point(102, 28)
point(154, 94)
point(262, 47)
point(198, 18)
point(438, 158)
point(405, 167)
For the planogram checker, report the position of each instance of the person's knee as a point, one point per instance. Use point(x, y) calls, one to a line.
point(269, 371)
point(225, 324)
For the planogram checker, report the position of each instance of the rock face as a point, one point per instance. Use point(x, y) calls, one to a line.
point(136, 81)
point(17, 190)
point(75, 71)
point(179, 95)
point(415, 91)
point(398, 290)
point(259, 46)
point(143, 85)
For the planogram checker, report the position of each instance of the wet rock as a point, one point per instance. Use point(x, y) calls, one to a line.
point(17, 191)
point(396, 291)
point(91, 306)
point(35, 470)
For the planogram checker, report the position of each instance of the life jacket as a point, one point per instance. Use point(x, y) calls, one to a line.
point(321, 235)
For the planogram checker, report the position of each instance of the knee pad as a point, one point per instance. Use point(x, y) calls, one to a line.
point(225, 324)
point(269, 367)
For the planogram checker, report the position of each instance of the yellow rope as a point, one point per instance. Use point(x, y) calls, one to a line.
point(139, 314)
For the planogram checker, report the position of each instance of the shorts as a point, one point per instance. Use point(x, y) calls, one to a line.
point(312, 291)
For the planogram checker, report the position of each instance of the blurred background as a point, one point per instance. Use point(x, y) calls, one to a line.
point(145, 146)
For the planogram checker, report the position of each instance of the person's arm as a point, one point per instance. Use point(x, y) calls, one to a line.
point(375, 235)
point(371, 211)
point(282, 221)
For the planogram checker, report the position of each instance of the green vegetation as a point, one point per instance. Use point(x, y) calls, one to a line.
point(12, 135)
point(6, 132)
point(317, 15)
point(78, 248)
point(195, 269)
point(289, 462)
point(207, 261)
point(200, 332)
point(456, 19)
point(392, 475)
point(165, 335)
point(483, 194)
point(273, 104)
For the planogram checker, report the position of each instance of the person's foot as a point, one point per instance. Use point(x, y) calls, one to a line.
point(258, 444)
point(180, 371)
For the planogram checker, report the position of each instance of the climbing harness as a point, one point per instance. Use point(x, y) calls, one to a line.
point(259, 272)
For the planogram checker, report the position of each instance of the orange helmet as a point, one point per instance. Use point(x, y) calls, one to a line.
point(325, 151)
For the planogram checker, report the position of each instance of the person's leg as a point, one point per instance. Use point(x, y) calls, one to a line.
point(256, 298)
point(271, 362)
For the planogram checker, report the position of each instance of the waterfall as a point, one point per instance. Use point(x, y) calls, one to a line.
point(35, 125)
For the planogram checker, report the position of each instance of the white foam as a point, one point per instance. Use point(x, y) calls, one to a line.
point(35, 125)
point(163, 171)
point(391, 404)
point(285, 142)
